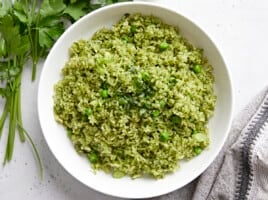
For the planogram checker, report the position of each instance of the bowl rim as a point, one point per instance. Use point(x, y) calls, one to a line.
point(159, 6)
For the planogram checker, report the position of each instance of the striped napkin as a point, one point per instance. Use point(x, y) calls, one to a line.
point(240, 171)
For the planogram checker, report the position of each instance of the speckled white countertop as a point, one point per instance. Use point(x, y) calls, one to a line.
point(240, 29)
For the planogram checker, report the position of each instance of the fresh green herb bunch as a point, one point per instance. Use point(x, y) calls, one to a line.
point(28, 29)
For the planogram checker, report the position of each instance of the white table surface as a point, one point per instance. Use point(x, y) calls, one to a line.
point(240, 29)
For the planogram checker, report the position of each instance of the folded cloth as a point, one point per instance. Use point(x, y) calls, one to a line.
point(240, 171)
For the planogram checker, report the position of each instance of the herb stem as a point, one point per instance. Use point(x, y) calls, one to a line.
point(35, 151)
point(18, 111)
point(35, 54)
point(29, 29)
point(12, 127)
point(33, 8)
point(3, 118)
point(34, 69)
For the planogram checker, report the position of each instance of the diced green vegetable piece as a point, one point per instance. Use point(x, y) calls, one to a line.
point(69, 133)
point(133, 29)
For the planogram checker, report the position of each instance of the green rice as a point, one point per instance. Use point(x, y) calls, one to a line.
point(136, 99)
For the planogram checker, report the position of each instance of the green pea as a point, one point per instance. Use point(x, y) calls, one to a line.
point(163, 46)
point(198, 150)
point(197, 69)
point(104, 93)
point(88, 112)
point(92, 157)
point(155, 113)
point(164, 136)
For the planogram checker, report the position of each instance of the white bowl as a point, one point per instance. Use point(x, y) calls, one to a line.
point(78, 166)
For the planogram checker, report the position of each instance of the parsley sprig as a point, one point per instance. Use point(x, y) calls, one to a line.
point(28, 29)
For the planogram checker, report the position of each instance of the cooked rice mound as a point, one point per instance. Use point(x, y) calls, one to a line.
point(136, 98)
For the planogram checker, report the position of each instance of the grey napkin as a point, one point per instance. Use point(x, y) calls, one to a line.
point(240, 171)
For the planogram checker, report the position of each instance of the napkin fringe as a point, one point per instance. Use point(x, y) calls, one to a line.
point(252, 133)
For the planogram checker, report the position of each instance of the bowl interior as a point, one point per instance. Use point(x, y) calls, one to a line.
point(78, 166)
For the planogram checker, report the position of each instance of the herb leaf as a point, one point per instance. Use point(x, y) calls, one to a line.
point(17, 43)
point(48, 35)
point(20, 11)
point(76, 10)
point(5, 5)
point(51, 8)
